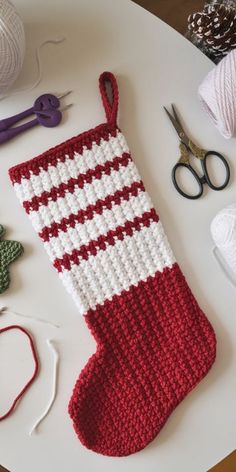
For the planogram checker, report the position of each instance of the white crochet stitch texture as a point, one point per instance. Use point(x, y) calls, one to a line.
point(116, 267)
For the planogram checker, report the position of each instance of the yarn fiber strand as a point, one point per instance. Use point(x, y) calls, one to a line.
point(217, 93)
point(12, 45)
point(34, 374)
point(88, 204)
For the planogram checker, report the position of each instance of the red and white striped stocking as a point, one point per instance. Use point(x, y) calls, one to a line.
point(88, 204)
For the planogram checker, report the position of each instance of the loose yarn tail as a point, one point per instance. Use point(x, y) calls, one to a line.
point(35, 372)
point(39, 68)
point(54, 386)
point(5, 309)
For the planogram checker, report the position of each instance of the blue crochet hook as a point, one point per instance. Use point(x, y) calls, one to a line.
point(46, 110)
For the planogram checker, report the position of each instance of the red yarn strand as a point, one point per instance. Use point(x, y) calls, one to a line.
point(36, 367)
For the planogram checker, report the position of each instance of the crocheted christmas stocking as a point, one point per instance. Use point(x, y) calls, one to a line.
point(86, 200)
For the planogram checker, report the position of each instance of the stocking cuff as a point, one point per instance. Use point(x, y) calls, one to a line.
point(88, 204)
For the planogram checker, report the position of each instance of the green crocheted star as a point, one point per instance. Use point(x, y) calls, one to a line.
point(9, 251)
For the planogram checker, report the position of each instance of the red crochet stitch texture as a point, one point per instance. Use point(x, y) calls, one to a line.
point(103, 241)
point(91, 210)
point(63, 188)
point(154, 344)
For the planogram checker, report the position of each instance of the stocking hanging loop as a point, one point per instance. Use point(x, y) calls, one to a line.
point(36, 366)
point(108, 81)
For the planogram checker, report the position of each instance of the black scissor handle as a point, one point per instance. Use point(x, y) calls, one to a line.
point(204, 167)
point(196, 176)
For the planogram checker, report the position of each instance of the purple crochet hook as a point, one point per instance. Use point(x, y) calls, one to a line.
point(47, 114)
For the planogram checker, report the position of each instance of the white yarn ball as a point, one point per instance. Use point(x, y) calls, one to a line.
point(217, 93)
point(223, 230)
point(12, 44)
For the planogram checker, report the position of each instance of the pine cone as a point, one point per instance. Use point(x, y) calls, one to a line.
point(214, 28)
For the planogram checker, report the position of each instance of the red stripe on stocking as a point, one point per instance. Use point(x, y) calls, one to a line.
point(89, 212)
point(80, 181)
point(61, 152)
point(109, 239)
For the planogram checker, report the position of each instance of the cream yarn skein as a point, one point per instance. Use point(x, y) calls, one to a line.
point(217, 93)
point(223, 230)
point(12, 45)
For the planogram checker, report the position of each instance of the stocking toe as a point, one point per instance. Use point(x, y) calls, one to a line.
point(146, 362)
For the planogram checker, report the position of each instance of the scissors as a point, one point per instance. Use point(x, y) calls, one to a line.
point(46, 111)
point(187, 148)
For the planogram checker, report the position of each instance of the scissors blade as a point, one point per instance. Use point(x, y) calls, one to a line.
point(174, 122)
point(177, 125)
point(176, 115)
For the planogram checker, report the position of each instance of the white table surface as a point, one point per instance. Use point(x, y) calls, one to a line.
point(155, 66)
